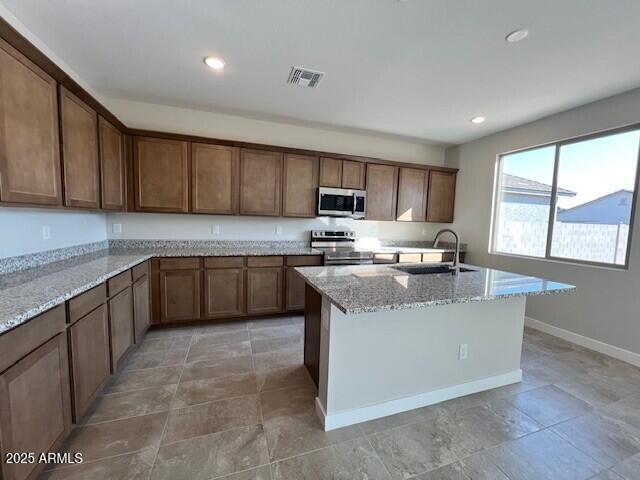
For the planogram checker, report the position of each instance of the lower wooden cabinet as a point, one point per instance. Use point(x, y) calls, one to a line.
point(141, 307)
point(90, 358)
point(121, 325)
point(224, 292)
point(264, 290)
point(35, 413)
point(294, 283)
point(179, 295)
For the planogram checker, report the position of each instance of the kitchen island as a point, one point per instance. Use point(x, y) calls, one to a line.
point(380, 340)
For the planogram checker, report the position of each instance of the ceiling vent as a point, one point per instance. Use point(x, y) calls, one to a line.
point(305, 77)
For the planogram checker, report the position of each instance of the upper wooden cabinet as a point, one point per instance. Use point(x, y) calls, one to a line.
point(330, 172)
point(29, 137)
point(161, 171)
point(353, 175)
point(382, 186)
point(441, 198)
point(112, 166)
point(260, 182)
point(215, 179)
point(81, 166)
point(342, 173)
point(300, 186)
point(412, 194)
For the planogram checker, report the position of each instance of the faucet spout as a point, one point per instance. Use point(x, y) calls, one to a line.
point(456, 255)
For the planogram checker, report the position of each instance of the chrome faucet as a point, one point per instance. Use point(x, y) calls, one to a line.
point(456, 255)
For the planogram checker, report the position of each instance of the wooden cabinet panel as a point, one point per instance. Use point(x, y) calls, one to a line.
point(260, 182)
point(382, 185)
point(300, 182)
point(294, 293)
point(272, 261)
point(330, 172)
point(85, 302)
point(141, 307)
point(224, 262)
point(90, 359)
point(264, 290)
point(112, 166)
point(119, 282)
point(412, 195)
point(215, 181)
point(353, 175)
point(140, 270)
point(81, 165)
point(35, 413)
point(224, 292)
point(182, 263)
point(442, 193)
point(29, 137)
point(179, 295)
point(304, 260)
point(161, 171)
point(121, 326)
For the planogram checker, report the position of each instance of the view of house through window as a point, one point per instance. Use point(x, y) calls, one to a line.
point(592, 206)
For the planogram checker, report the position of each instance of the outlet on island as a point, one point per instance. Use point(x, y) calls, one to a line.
point(463, 351)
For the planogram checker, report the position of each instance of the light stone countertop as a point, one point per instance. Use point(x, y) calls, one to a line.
point(374, 288)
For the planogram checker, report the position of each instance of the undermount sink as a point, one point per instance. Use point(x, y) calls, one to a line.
point(426, 270)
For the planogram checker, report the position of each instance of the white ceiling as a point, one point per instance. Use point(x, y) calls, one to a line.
point(417, 69)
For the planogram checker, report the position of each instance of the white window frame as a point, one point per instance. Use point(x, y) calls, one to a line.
point(497, 187)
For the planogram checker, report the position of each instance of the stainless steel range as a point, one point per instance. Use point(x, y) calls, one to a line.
point(339, 247)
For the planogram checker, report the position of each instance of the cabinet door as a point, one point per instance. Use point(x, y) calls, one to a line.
point(29, 138)
point(215, 179)
point(382, 185)
point(81, 165)
point(442, 194)
point(260, 182)
point(161, 171)
point(353, 174)
point(179, 295)
point(35, 413)
point(121, 325)
point(90, 360)
point(264, 290)
point(330, 172)
point(141, 310)
point(224, 291)
point(112, 166)
point(294, 290)
point(412, 195)
point(300, 186)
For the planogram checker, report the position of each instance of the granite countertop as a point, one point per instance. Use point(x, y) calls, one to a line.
point(374, 288)
point(25, 294)
point(414, 250)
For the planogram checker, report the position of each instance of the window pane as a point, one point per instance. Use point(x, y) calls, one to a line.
point(595, 194)
point(524, 201)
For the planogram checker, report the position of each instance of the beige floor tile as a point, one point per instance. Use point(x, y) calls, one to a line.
point(217, 368)
point(138, 361)
point(135, 466)
point(130, 404)
point(268, 361)
point(260, 473)
point(609, 475)
point(289, 401)
point(351, 460)
point(480, 467)
point(208, 390)
point(277, 344)
point(218, 352)
point(626, 411)
point(284, 331)
point(212, 456)
point(161, 344)
point(169, 332)
point(452, 471)
point(276, 321)
point(297, 376)
point(629, 469)
point(232, 326)
point(142, 379)
point(212, 417)
point(220, 338)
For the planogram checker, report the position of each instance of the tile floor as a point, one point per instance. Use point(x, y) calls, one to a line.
point(233, 401)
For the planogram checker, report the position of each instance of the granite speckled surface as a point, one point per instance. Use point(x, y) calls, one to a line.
point(24, 262)
point(374, 288)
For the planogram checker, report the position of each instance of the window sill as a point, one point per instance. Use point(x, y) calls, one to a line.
point(573, 263)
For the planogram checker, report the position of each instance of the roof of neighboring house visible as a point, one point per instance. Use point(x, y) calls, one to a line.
point(515, 184)
point(610, 209)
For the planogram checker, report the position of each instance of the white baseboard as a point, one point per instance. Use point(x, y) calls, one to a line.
point(371, 412)
point(590, 343)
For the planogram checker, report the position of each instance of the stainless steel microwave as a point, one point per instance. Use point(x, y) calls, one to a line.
point(340, 202)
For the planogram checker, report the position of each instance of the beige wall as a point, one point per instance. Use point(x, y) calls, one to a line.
point(606, 304)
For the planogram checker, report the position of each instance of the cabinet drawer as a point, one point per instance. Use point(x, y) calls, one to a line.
point(224, 262)
point(119, 282)
point(24, 339)
point(432, 257)
point(265, 261)
point(385, 258)
point(140, 270)
point(87, 301)
point(304, 261)
point(409, 258)
point(187, 263)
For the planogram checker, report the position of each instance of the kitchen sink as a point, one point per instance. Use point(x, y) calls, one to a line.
point(430, 270)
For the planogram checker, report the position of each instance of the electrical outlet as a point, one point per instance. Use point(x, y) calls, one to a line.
point(216, 229)
point(463, 351)
point(116, 228)
point(278, 230)
point(46, 232)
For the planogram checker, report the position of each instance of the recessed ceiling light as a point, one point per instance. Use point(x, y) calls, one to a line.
point(215, 62)
point(517, 35)
point(478, 119)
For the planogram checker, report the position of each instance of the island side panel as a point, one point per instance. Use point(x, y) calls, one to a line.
point(312, 326)
point(385, 362)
